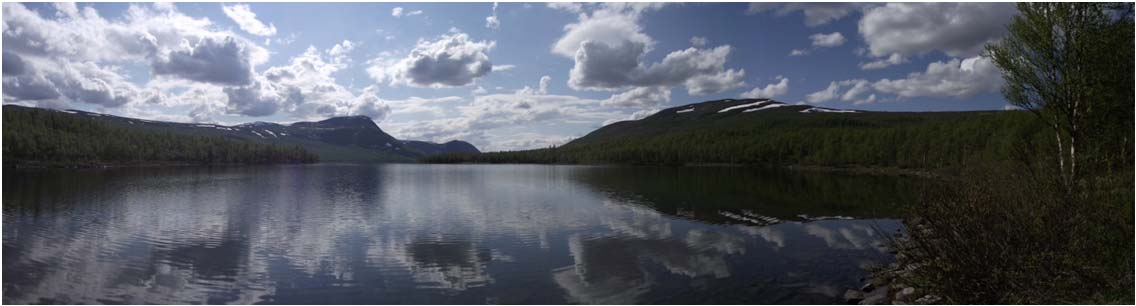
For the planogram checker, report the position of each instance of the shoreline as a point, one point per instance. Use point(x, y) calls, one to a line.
point(854, 169)
point(22, 165)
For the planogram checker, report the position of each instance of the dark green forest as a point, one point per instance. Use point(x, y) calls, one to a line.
point(899, 140)
point(37, 137)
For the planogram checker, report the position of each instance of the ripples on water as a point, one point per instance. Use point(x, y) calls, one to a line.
point(471, 234)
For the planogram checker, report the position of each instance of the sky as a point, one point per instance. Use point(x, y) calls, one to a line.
point(503, 76)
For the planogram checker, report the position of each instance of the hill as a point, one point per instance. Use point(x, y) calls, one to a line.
point(431, 149)
point(767, 132)
point(338, 139)
point(37, 137)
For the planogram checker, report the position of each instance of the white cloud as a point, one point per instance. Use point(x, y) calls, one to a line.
point(827, 40)
point(210, 60)
point(698, 41)
point(816, 14)
point(955, 78)
point(769, 91)
point(544, 81)
point(479, 91)
point(640, 97)
point(492, 22)
point(826, 94)
point(701, 84)
point(894, 59)
point(835, 88)
point(451, 60)
point(503, 67)
point(246, 19)
point(608, 46)
point(80, 57)
point(574, 7)
point(798, 52)
point(368, 104)
point(957, 29)
point(602, 27)
point(396, 12)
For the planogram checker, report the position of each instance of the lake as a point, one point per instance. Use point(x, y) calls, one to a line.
point(441, 234)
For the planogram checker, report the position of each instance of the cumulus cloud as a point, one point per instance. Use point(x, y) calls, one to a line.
point(246, 19)
point(51, 83)
point(492, 22)
point(826, 94)
point(480, 118)
point(213, 61)
point(543, 86)
point(368, 104)
point(77, 56)
point(396, 12)
point(827, 40)
point(816, 14)
point(893, 59)
point(957, 29)
point(451, 60)
point(261, 99)
point(769, 91)
point(608, 47)
point(640, 97)
point(955, 78)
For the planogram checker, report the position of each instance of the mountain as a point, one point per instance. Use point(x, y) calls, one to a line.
point(431, 149)
point(338, 139)
point(43, 138)
point(767, 132)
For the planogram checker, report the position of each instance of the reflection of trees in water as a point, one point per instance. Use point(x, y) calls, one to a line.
point(701, 192)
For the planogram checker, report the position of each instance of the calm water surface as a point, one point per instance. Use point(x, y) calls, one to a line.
point(471, 234)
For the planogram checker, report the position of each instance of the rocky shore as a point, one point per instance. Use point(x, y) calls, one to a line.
point(885, 284)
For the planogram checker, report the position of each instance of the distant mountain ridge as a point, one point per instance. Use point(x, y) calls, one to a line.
point(768, 132)
point(342, 139)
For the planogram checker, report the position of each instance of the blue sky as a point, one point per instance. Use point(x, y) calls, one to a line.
point(502, 76)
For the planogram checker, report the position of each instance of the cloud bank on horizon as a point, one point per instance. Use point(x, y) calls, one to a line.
point(515, 76)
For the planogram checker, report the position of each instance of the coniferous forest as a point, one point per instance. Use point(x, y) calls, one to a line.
point(787, 137)
point(35, 137)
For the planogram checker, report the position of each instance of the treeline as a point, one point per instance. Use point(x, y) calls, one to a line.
point(901, 140)
point(42, 137)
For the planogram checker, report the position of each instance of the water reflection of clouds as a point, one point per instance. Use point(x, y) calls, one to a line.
point(610, 268)
point(836, 234)
point(240, 239)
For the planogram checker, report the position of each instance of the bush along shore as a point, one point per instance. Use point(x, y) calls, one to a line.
point(1055, 224)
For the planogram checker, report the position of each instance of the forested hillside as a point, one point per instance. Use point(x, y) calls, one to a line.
point(43, 137)
point(773, 133)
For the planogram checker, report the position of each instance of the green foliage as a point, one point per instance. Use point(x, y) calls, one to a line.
point(1071, 64)
point(36, 136)
point(1007, 235)
point(1056, 225)
point(899, 140)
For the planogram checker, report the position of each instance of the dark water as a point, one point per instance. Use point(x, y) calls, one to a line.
point(471, 234)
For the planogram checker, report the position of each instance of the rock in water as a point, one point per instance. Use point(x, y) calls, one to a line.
point(853, 296)
point(876, 297)
point(905, 293)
